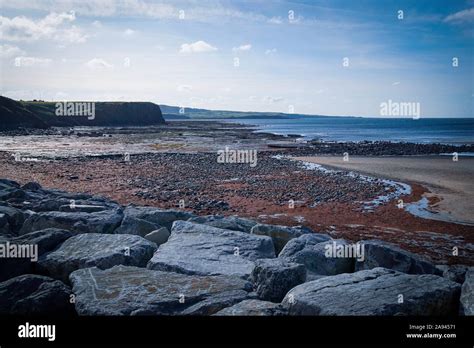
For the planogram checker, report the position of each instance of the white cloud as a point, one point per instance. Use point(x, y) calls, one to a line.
point(184, 88)
point(197, 47)
point(396, 83)
point(129, 32)
point(245, 47)
point(50, 27)
point(8, 51)
point(465, 16)
point(31, 61)
point(98, 64)
point(270, 51)
point(97, 24)
point(275, 20)
point(271, 100)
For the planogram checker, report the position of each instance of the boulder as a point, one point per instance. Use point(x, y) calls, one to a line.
point(233, 223)
point(46, 239)
point(467, 294)
point(279, 234)
point(97, 222)
point(383, 254)
point(31, 294)
point(160, 217)
point(273, 278)
point(14, 217)
point(31, 186)
point(205, 250)
point(309, 251)
point(94, 249)
point(159, 236)
point(7, 183)
point(124, 290)
point(377, 291)
point(456, 273)
point(252, 308)
point(135, 226)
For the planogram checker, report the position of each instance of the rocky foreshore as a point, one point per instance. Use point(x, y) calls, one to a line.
point(68, 254)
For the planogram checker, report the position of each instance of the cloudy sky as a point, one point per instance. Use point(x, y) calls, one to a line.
point(315, 57)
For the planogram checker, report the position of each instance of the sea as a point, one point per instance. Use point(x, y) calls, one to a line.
point(454, 131)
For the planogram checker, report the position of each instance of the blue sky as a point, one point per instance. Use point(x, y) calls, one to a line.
point(290, 54)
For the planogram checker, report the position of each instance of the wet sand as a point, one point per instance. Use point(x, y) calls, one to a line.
point(450, 183)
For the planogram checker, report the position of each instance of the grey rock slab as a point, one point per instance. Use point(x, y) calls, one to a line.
point(131, 225)
point(467, 294)
point(309, 251)
point(125, 290)
point(456, 273)
point(31, 294)
point(252, 308)
point(233, 223)
point(375, 292)
point(97, 222)
point(383, 254)
point(206, 250)
point(159, 236)
point(158, 216)
point(273, 278)
point(279, 234)
point(93, 249)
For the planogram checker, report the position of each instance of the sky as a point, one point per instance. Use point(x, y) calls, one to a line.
point(311, 57)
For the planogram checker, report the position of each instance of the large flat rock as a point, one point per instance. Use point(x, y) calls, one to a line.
point(93, 249)
point(375, 292)
point(124, 290)
point(383, 254)
point(205, 250)
point(31, 294)
point(98, 222)
point(310, 250)
point(158, 216)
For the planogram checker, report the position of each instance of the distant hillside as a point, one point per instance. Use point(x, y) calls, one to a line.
point(173, 112)
point(39, 114)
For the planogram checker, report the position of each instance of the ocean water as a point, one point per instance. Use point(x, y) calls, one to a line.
point(434, 130)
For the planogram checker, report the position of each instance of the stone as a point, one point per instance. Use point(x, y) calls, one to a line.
point(273, 278)
point(46, 239)
point(159, 236)
point(160, 217)
point(376, 291)
point(233, 223)
point(205, 250)
point(31, 186)
point(14, 216)
point(309, 251)
point(456, 273)
point(31, 294)
point(125, 290)
point(383, 254)
point(467, 294)
point(252, 308)
point(94, 249)
point(279, 234)
point(97, 222)
point(136, 226)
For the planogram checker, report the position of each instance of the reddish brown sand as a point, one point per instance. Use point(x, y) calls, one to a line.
point(114, 178)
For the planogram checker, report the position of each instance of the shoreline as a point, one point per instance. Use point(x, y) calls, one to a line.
point(449, 190)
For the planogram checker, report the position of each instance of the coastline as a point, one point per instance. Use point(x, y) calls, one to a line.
point(448, 183)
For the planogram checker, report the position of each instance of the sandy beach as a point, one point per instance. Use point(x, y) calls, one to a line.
point(450, 182)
